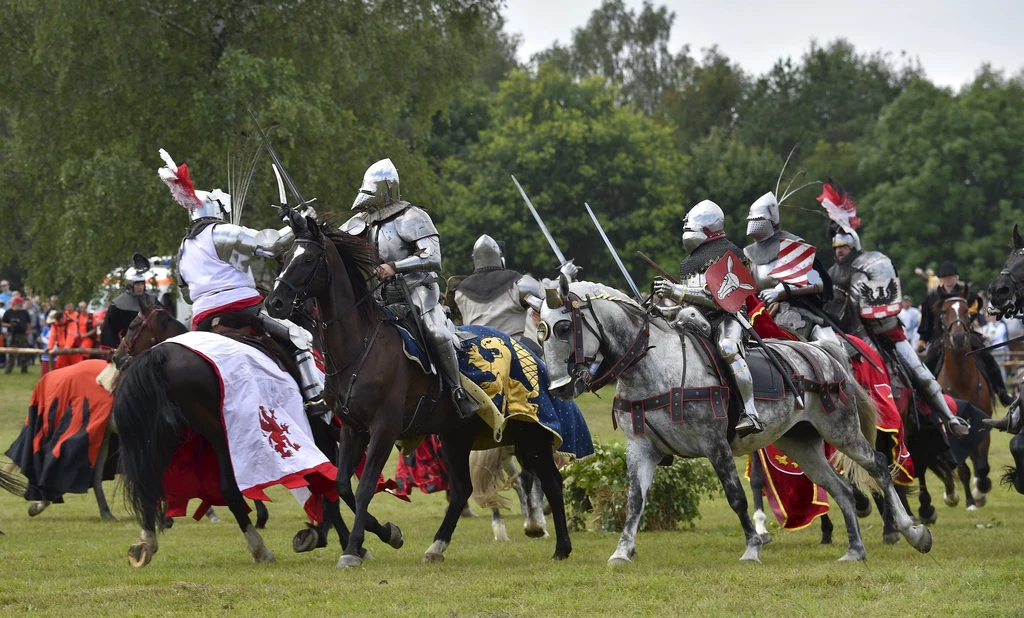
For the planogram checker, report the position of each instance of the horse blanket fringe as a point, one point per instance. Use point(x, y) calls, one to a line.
point(61, 438)
point(516, 384)
point(269, 437)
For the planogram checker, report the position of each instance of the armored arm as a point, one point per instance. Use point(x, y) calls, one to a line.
point(235, 243)
point(415, 227)
point(694, 291)
point(530, 293)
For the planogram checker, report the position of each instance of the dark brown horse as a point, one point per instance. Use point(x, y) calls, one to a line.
point(961, 378)
point(381, 396)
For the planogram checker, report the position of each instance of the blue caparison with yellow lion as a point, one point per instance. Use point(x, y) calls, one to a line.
point(516, 382)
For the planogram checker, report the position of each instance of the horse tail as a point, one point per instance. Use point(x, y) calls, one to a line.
point(489, 478)
point(867, 415)
point(11, 483)
point(149, 426)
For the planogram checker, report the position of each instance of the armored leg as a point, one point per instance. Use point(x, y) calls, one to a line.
point(311, 386)
point(995, 377)
point(932, 357)
point(730, 346)
point(926, 381)
point(441, 333)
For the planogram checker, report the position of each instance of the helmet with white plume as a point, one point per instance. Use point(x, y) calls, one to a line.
point(199, 204)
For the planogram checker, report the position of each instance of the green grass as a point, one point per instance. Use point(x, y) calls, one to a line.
point(68, 562)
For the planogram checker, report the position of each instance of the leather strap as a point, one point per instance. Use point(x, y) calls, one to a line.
point(674, 399)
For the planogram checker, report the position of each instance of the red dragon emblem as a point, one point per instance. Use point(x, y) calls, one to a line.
point(276, 433)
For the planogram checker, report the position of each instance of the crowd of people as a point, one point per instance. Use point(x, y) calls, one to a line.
point(29, 320)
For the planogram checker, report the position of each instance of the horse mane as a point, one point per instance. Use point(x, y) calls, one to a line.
point(167, 322)
point(601, 291)
point(360, 261)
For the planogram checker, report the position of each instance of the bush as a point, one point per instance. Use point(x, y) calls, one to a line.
point(597, 490)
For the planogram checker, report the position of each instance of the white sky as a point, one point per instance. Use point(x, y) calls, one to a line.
point(951, 38)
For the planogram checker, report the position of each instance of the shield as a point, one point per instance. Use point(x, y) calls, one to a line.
point(730, 282)
point(796, 259)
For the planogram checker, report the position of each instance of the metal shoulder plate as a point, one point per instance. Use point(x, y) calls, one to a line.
point(354, 226)
point(235, 244)
point(529, 287)
point(415, 224)
point(691, 316)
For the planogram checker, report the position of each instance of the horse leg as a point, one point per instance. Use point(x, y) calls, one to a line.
point(231, 494)
point(455, 447)
point(981, 484)
point(926, 511)
point(963, 472)
point(642, 459)
point(826, 530)
point(351, 446)
point(376, 456)
point(945, 473)
point(534, 444)
point(535, 525)
point(262, 514)
point(810, 455)
point(720, 456)
point(97, 476)
point(757, 478)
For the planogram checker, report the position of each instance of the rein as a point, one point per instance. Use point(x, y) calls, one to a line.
point(579, 364)
point(132, 337)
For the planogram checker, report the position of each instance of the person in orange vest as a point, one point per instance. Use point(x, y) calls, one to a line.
point(86, 327)
point(64, 334)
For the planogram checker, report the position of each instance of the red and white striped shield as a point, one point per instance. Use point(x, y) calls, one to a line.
point(796, 259)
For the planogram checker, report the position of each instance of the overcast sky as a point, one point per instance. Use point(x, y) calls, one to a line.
point(951, 38)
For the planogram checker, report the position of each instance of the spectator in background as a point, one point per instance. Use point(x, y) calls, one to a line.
point(64, 334)
point(995, 332)
point(86, 327)
point(910, 317)
point(5, 293)
point(17, 322)
point(46, 360)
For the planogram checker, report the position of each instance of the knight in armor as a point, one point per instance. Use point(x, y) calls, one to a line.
point(931, 328)
point(869, 281)
point(705, 242)
point(783, 277)
point(493, 295)
point(215, 276)
point(409, 250)
point(125, 306)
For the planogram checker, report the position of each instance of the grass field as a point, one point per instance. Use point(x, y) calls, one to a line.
point(68, 562)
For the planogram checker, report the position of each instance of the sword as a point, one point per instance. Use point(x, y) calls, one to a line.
point(278, 166)
point(997, 345)
point(658, 268)
point(608, 243)
point(540, 222)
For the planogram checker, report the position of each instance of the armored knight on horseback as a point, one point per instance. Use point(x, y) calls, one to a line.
point(704, 239)
point(868, 281)
point(214, 267)
point(409, 249)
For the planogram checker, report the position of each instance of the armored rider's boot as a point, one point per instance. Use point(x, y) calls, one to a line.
point(312, 388)
point(465, 405)
point(926, 381)
point(749, 422)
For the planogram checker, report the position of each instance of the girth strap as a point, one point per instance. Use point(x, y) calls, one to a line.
point(674, 399)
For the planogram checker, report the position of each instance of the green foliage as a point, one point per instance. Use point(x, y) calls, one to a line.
point(597, 491)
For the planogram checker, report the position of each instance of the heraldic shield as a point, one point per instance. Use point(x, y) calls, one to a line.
point(730, 282)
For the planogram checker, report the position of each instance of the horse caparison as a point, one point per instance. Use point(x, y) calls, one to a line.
point(381, 396)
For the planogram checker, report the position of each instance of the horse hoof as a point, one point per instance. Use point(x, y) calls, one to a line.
point(467, 513)
point(853, 556)
point(891, 538)
point(37, 507)
point(951, 499)
point(753, 554)
point(348, 561)
point(213, 518)
point(617, 560)
point(264, 555)
point(981, 500)
point(862, 513)
point(140, 554)
point(396, 539)
point(305, 540)
point(108, 516)
point(765, 538)
point(920, 538)
point(972, 508)
point(365, 554)
point(826, 541)
point(560, 555)
point(433, 557)
point(536, 533)
point(983, 485)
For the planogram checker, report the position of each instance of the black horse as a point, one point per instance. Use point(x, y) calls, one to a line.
point(158, 392)
point(383, 397)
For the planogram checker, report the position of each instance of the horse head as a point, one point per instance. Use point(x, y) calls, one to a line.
point(570, 343)
point(956, 321)
point(152, 325)
point(303, 270)
point(1006, 293)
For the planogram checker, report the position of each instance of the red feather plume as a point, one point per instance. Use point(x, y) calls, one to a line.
point(840, 206)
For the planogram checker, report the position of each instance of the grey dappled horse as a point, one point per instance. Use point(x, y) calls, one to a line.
point(610, 324)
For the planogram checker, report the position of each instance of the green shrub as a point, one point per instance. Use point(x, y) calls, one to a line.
point(597, 491)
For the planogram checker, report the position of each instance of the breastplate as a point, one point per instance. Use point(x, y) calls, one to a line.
point(390, 246)
point(760, 272)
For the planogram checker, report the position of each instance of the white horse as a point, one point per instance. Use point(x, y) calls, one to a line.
point(493, 470)
point(669, 402)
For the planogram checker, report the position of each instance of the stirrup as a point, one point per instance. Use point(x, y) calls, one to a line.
point(465, 406)
point(748, 425)
point(316, 407)
point(958, 427)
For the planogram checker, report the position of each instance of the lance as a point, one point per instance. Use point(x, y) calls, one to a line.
point(615, 256)
point(656, 267)
point(540, 223)
point(997, 345)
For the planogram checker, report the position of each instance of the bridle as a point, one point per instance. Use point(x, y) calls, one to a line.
point(1014, 305)
point(133, 334)
point(300, 296)
point(578, 364)
point(947, 327)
